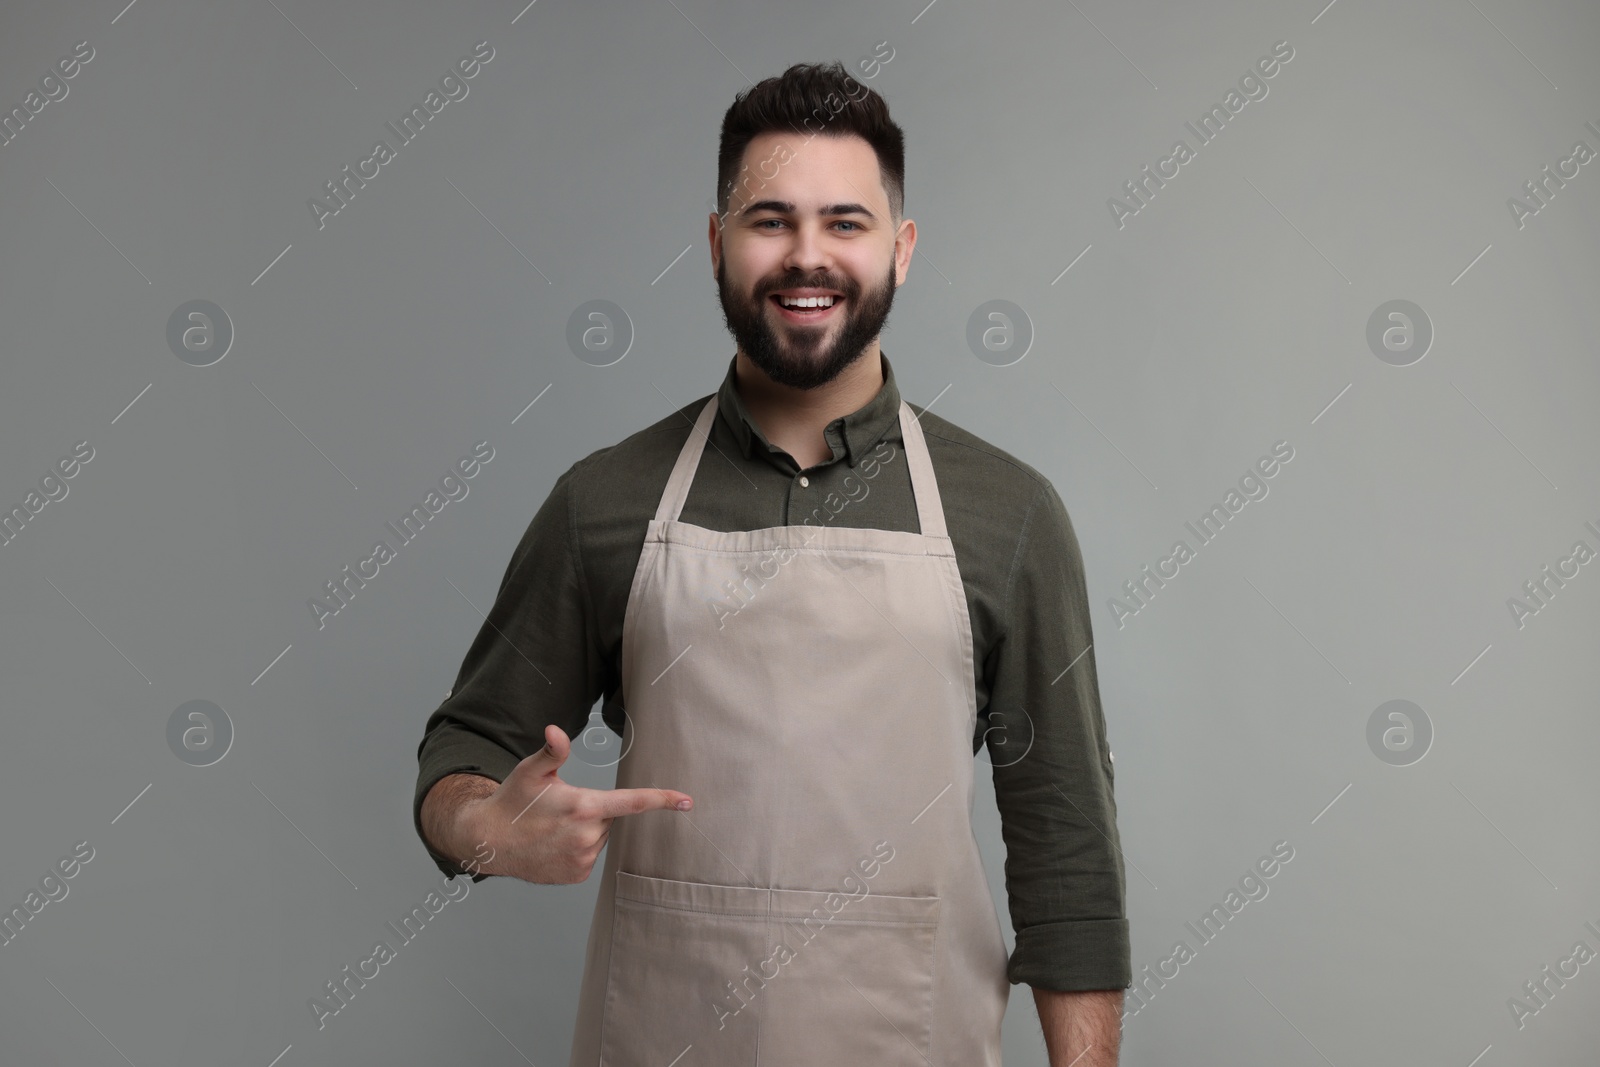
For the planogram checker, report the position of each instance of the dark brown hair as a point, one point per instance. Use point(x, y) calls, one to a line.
point(810, 99)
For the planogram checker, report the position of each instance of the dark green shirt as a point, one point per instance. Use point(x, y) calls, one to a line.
point(551, 644)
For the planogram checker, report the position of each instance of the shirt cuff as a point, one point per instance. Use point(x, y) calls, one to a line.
point(485, 758)
point(1087, 954)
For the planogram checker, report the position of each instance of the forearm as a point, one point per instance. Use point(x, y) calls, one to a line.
point(1082, 1028)
point(444, 810)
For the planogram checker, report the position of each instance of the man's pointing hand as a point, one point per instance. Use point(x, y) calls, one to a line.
point(547, 831)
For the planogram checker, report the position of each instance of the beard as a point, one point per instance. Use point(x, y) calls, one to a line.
point(801, 356)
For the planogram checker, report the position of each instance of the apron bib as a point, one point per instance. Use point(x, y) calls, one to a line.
point(825, 902)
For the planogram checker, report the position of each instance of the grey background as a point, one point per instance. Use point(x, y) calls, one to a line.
point(1228, 314)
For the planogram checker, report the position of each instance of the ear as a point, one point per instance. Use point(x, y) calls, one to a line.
point(905, 241)
point(714, 239)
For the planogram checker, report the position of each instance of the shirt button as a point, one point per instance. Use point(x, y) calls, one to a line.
point(804, 481)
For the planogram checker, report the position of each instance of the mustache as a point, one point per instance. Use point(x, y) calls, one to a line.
point(838, 285)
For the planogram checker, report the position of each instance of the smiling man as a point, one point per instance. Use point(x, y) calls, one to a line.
point(808, 605)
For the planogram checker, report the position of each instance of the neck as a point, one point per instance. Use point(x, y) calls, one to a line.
point(794, 419)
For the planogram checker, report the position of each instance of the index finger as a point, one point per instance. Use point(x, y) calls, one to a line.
point(615, 802)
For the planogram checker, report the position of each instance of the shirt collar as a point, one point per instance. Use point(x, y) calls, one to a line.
point(850, 437)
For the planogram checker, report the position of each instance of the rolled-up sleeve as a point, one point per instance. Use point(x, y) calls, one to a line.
point(1052, 769)
point(533, 662)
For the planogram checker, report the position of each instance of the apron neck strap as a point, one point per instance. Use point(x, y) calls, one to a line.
point(930, 509)
point(677, 490)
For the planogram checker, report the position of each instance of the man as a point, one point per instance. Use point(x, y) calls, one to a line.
point(808, 605)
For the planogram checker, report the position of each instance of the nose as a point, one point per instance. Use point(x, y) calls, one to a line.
point(807, 254)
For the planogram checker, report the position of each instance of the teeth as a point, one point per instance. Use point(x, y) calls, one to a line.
point(806, 302)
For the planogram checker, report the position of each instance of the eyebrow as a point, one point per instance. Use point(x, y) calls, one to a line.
point(784, 207)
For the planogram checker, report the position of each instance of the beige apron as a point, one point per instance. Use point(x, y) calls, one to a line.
point(824, 903)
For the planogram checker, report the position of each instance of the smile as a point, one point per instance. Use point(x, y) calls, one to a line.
point(801, 314)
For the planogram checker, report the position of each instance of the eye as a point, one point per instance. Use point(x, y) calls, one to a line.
point(847, 222)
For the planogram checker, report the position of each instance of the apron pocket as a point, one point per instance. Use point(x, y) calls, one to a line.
point(713, 973)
